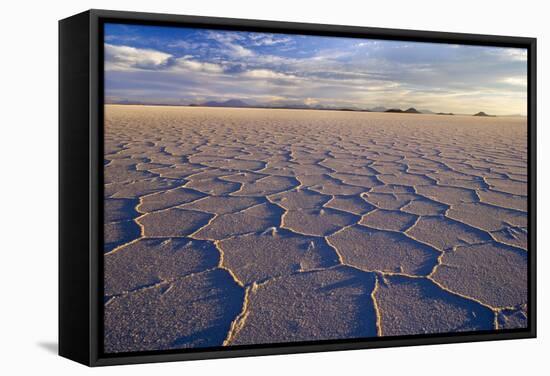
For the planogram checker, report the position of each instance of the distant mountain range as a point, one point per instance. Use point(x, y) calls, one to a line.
point(411, 110)
point(228, 103)
point(242, 104)
point(239, 103)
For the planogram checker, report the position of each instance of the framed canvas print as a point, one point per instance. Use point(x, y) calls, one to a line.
point(237, 187)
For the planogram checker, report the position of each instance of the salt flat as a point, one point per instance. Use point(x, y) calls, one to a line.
point(243, 226)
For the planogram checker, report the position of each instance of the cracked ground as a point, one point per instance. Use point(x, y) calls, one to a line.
point(247, 226)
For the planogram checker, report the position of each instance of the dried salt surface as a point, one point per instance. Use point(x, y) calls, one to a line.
point(448, 195)
point(267, 186)
point(213, 186)
point(419, 306)
point(117, 172)
point(243, 177)
point(173, 222)
point(503, 200)
point(444, 233)
point(488, 272)
point(241, 226)
point(133, 189)
point(487, 217)
point(513, 318)
point(223, 204)
point(390, 201)
point(508, 186)
point(318, 222)
point(515, 236)
point(299, 199)
point(393, 220)
point(260, 257)
point(352, 204)
point(407, 179)
point(236, 164)
point(151, 261)
point(359, 180)
point(171, 171)
point(168, 199)
point(328, 304)
point(328, 185)
point(119, 209)
point(193, 311)
point(425, 207)
point(387, 251)
point(118, 233)
point(255, 219)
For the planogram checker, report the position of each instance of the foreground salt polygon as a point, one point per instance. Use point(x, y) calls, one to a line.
point(245, 226)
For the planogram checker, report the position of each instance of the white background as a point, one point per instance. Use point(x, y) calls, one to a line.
point(28, 185)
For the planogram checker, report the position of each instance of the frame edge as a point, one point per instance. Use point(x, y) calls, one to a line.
point(74, 110)
point(93, 16)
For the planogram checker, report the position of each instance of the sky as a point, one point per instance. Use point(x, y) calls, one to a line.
point(176, 65)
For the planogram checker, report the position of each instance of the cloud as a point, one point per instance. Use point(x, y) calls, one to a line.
point(184, 44)
point(187, 63)
point(517, 54)
point(127, 58)
point(260, 39)
point(229, 41)
point(520, 81)
point(239, 51)
point(267, 74)
point(311, 101)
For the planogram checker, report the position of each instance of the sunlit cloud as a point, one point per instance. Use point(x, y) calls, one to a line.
point(267, 74)
point(129, 58)
point(186, 62)
point(515, 81)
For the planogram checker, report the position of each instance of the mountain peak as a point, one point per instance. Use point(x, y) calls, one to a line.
point(481, 113)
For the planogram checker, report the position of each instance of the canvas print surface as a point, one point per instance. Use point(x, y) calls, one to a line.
point(276, 188)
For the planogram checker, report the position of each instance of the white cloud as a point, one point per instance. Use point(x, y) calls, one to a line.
point(268, 39)
point(239, 51)
point(266, 74)
point(517, 54)
point(368, 43)
point(198, 66)
point(229, 41)
point(128, 58)
point(125, 58)
point(515, 81)
point(310, 101)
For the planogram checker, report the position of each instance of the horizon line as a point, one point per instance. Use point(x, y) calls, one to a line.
point(391, 110)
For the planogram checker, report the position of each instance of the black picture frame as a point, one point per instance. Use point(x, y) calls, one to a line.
point(81, 185)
